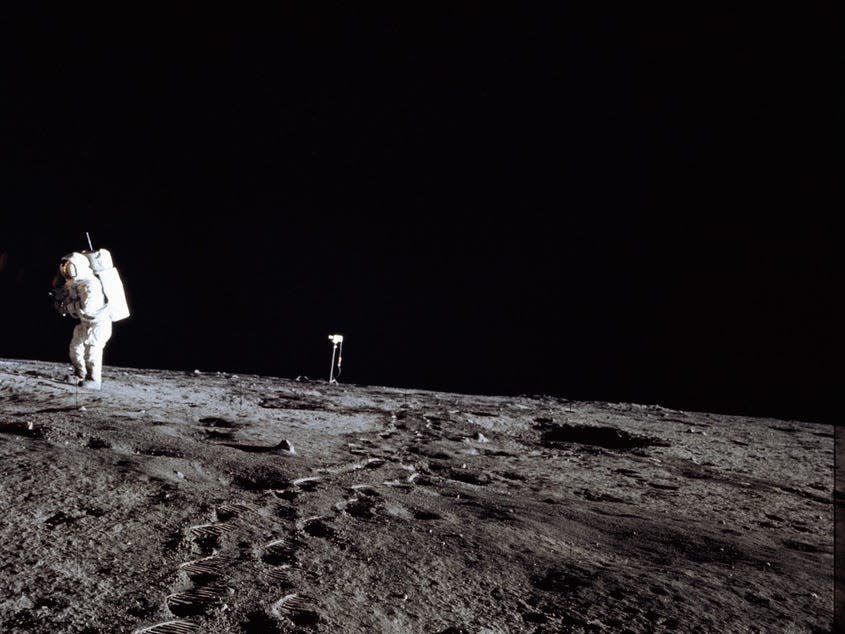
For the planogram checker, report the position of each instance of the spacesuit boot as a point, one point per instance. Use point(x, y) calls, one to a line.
point(77, 377)
point(74, 379)
point(77, 356)
point(94, 380)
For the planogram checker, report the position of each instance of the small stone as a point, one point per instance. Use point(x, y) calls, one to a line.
point(25, 603)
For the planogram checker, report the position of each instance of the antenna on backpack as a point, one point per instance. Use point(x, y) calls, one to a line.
point(89, 241)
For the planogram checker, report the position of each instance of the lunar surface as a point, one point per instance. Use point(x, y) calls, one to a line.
point(175, 502)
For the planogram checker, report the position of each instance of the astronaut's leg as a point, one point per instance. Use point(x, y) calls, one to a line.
point(97, 336)
point(94, 363)
point(77, 354)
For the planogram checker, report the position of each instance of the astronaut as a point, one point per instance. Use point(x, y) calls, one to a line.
point(82, 298)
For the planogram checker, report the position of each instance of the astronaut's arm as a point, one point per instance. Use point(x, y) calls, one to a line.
point(91, 299)
point(86, 302)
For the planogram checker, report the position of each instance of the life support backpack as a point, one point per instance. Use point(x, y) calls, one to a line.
point(101, 264)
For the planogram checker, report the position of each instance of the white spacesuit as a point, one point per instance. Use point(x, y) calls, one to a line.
point(83, 299)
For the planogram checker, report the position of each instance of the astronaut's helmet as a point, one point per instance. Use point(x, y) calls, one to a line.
point(74, 265)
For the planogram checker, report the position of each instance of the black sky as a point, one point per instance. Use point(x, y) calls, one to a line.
point(610, 205)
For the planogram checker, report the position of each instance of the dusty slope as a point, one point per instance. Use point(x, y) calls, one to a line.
point(174, 498)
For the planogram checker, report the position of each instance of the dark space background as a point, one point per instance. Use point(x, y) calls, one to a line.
point(624, 205)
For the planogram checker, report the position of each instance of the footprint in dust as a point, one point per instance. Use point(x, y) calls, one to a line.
point(307, 484)
point(282, 575)
point(225, 512)
point(258, 622)
point(196, 601)
point(373, 463)
point(666, 486)
point(418, 478)
point(169, 627)
point(285, 512)
point(470, 477)
point(317, 526)
point(207, 591)
point(282, 447)
point(365, 489)
point(206, 537)
point(205, 570)
point(279, 552)
point(298, 608)
point(361, 507)
point(215, 428)
point(297, 487)
point(422, 514)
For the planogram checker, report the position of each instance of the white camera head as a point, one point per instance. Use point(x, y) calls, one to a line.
point(336, 338)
